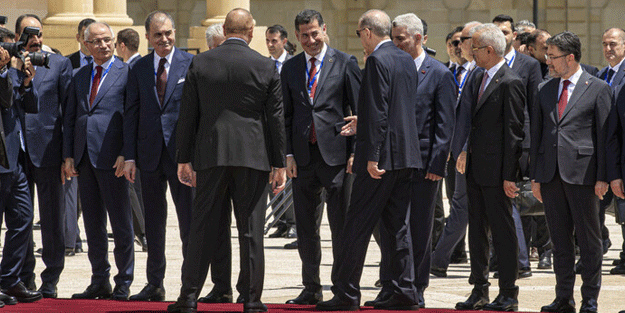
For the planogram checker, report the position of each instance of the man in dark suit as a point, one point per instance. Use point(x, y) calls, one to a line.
point(569, 172)
point(81, 57)
point(92, 146)
point(6, 101)
point(152, 107)
point(435, 107)
point(320, 88)
point(127, 46)
point(44, 143)
point(387, 153)
point(492, 168)
point(15, 200)
point(243, 139)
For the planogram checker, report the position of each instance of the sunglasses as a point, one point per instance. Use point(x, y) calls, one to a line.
point(455, 43)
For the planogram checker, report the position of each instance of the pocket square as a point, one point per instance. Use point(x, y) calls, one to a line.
point(181, 80)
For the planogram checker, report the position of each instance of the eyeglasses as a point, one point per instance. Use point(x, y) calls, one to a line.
point(455, 43)
point(551, 58)
point(462, 39)
point(478, 48)
point(100, 41)
point(359, 30)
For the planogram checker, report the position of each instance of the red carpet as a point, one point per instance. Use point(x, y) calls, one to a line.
point(103, 306)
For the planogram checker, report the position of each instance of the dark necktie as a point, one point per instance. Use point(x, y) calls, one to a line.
point(161, 81)
point(95, 84)
point(564, 98)
point(88, 59)
point(312, 137)
point(483, 86)
point(610, 75)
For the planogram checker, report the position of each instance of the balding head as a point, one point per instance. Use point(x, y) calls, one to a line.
point(373, 27)
point(239, 23)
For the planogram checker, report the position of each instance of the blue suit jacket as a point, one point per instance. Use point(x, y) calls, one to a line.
point(619, 77)
point(147, 124)
point(97, 130)
point(436, 105)
point(12, 118)
point(386, 112)
point(43, 130)
point(463, 114)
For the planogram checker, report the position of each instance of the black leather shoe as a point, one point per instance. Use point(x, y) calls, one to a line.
point(240, 299)
point(438, 271)
point(183, 306)
point(69, 252)
point(140, 240)
point(607, 243)
point(382, 296)
point(561, 305)
point(291, 246)
point(78, 250)
point(618, 262)
point(588, 306)
point(503, 303)
point(22, 294)
point(459, 258)
point(307, 297)
point(579, 267)
point(280, 232)
point(120, 293)
point(618, 270)
point(48, 291)
point(254, 307)
point(525, 272)
point(149, 293)
point(396, 302)
point(420, 298)
point(216, 296)
point(6, 299)
point(336, 304)
point(545, 261)
point(291, 233)
point(475, 302)
point(93, 291)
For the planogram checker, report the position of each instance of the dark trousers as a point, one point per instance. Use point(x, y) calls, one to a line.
point(71, 204)
point(245, 187)
point(101, 193)
point(221, 267)
point(136, 203)
point(17, 207)
point(307, 187)
point(439, 216)
point(52, 217)
point(424, 193)
point(386, 199)
point(490, 209)
point(574, 209)
point(154, 188)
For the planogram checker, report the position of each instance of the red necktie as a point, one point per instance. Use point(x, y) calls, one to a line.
point(161, 81)
point(564, 98)
point(95, 84)
point(483, 86)
point(311, 78)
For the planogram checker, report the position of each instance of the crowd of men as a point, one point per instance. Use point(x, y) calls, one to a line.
point(513, 107)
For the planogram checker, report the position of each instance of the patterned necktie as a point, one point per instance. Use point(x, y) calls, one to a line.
point(161, 81)
point(564, 98)
point(483, 86)
point(312, 137)
point(94, 85)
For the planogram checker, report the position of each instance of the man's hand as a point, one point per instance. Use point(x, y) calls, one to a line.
point(186, 175)
point(350, 128)
point(461, 163)
point(28, 68)
point(130, 169)
point(278, 180)
point(372, 168)
point(601, 188)
point(119, 166)
point(433, 177)
point(70, 170)
point(291, 167)
point(510, 188)
point(617, 188)
point(350, 164)
point(5, 57)
point(536, 191)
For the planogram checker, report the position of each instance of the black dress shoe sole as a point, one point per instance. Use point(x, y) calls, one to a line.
point(181, 310)
point(149, 298)
point(308, 302)
point(119, 298)
point(570, 310)
point(9, 302)
point(96, 297)
point(476, 307)
point(29, 299)
point(47, 295)
point(213, 300)
point(412, 307)
point(338, 308)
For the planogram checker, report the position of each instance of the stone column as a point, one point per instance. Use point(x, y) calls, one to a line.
point(216, 10)
point(60, 24)
point(112, 12)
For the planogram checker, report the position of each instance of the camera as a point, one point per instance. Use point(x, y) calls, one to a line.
point(3, 20)
point(15, 48)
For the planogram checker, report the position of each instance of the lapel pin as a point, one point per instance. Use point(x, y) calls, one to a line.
point(330, 60)
point(422, 71)
point(497, 80)
point(586, 83)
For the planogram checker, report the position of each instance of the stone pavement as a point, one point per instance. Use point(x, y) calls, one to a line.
point(283, 273)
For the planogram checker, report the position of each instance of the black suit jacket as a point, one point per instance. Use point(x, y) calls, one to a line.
point(75, 59)
point(6, 101)
point(231, 112)
point(436, 106)
point(529, 70)
point(494, 144)
point(386, 112)
point(574, 144)
point(615, 157)
point(463, 114)
point(335, 98)
point(590, 69)
point(618, 79)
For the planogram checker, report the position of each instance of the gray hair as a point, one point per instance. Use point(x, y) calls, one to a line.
point(491, 35)
point(522, 25)
point(87, 33)
point(377, 21)
point(215, 30)
point(412, 23)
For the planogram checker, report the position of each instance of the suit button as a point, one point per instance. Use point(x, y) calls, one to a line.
point(554, 145)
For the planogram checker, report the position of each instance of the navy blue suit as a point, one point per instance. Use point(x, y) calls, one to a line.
point(94, 138)
point(387, 134)
point(15, 200)
point(149, 139)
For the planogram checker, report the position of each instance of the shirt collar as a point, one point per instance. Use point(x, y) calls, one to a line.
point(510, 55)
point(419, 60)
point(616, 67)
point(281, 58)
point(105, 65)
point(381, 42)
point(237, 38)
point(134, 56)
point(493, 70)
point(319, 56)
point(468, 65)
point(168, 57)
point(574, 78)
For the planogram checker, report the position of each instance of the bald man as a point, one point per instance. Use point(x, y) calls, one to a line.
point(242, 147)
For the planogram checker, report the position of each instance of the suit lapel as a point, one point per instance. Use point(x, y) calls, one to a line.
point(301, 74)
point(109, 80)
point(40, 74)
point(582, 85)
point(328, 63)
point(423, 72)
point(175, 71)
point(618, 77)
point(494, 83)
point(552, 99)
point(83, 84)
